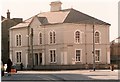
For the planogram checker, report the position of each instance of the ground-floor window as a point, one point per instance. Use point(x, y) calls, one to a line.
point(78, 55)
point(97, 55)
point(18, 56)
point(52, 56)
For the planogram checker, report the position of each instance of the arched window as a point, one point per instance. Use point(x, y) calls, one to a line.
point(18, 40)
point(40, 38)
point(52, 37)
point(77, 36)
point(97, 37)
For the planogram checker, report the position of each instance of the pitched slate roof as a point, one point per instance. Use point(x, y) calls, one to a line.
point(63, 16)
point(78, 17)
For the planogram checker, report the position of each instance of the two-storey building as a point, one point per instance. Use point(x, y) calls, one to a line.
point(60, 39)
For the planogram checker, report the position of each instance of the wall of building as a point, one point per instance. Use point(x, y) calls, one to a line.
point(64, 45)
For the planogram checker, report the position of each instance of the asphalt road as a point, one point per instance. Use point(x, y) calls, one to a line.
point(63, 76)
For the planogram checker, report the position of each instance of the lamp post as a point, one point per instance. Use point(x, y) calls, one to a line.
point(93, 48)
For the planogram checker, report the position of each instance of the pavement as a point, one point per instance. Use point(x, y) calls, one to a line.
point(64, 75)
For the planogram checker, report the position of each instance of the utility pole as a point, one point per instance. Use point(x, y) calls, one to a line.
point(32, 48)
point(93, 48)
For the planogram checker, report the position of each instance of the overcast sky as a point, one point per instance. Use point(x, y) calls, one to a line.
point(105, 10)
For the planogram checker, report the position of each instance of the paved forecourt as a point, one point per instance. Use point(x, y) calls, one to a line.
point(65, 75)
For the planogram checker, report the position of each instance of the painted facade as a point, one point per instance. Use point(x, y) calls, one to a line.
point(60, 37)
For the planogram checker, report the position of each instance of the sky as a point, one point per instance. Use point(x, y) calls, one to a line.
point(105, 10)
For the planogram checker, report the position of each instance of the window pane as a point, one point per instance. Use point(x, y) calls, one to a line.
point(51, 56)
point(50, 37)
point(17, 40)
point(40, 37)
point(53, 37)
point(17, 57)
point(54, 56)
point(77, 55)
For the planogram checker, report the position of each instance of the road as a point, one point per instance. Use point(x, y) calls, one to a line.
point(61, 76)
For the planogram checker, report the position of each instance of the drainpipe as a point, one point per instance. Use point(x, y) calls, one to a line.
point(31, 39)
point(93, 49)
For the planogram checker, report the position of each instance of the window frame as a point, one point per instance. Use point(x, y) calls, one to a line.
point(97, 55)
point(80, 37)
point(52, 37)
point(98, 37)
point(18, 40)
point(80, 55)
point(53, 55)
point(18, 55)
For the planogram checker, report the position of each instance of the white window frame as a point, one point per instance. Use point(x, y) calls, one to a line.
point(19, 60)
point(99, 55)
point(80, 55)
point(52, 57)
point(99, 36)
point(19, 42)
point(16, 40)
point(53, 39)
point(75, 37)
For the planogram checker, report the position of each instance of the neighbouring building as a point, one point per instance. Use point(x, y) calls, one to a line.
point(115, 52)
point(60, 39)
point(6, 23)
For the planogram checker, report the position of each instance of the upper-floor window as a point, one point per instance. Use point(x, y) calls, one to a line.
point(18, 56)
point(52, 37)
point(77, 37)
point(97, 37)
point(97, 55)
point(40, 38)
point(18, 40)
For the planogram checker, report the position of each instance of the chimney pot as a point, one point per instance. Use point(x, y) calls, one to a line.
point(8, 14)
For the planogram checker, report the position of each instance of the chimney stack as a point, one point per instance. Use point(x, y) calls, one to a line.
point(8, 14)
point(55, 6)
